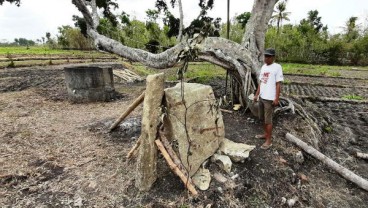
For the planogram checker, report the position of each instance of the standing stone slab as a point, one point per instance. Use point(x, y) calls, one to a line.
point(146, 163)
point(196, 120)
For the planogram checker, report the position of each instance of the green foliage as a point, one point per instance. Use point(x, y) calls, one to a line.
point(11, 64)
point(310, 42)
point(16, 2)
point(328, 129)
point(243, 19)
point(24, 42)
point(353, 97)
point(72, 38)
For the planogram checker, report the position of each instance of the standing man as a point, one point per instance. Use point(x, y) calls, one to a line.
point(268, 93)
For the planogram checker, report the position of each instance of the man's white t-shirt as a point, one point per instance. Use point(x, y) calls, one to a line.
point(270, 74)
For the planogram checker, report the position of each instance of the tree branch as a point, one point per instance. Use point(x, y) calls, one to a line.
point(82, 7)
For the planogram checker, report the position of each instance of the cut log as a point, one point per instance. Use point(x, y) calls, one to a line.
point(362, 155)
point(146, 173)
point(225, 111)
point(175, 168)
point(344, 172)
point(132, 106)
point(134, 148)
point(173, 155)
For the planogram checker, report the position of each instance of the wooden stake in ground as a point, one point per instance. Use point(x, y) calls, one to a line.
point(173, 156)
point(362, 155)
point(175, 168)
point(134, 148)
point(147, 157)
point(346, 173)
point(132, 106)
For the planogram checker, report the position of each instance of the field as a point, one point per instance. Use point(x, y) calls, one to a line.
point(54, 153)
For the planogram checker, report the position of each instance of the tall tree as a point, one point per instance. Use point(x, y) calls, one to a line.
point(351, 29)
point(241, 60)
point(16, 2)
point(280, 15)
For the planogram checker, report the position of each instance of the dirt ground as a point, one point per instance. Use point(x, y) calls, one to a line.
point(54, 153)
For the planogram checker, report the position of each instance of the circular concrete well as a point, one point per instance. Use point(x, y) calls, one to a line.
point(89, 83)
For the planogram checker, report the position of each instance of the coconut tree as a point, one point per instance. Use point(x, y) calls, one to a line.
point(280, 15)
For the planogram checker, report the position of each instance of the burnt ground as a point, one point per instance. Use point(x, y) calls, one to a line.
point(57, 154)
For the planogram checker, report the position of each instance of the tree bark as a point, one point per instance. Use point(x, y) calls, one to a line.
point(346, 173)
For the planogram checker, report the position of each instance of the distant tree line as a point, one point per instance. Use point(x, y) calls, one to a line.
point(309, 41)
point(306, 42)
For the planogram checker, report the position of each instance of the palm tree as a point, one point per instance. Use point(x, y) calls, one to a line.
point(280, 14)
point(351, 29)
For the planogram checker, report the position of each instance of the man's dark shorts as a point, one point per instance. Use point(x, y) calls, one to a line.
point(265, 110)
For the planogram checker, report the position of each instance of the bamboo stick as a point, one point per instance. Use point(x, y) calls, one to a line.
point(344, 172)
point(175, 168)
point(132, 106)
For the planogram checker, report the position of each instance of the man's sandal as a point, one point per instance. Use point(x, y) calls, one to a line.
point(265, 146)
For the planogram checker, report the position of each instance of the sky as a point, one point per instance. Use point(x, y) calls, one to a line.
point(36, 17)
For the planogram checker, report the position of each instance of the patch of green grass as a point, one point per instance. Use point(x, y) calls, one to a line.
point(287, 81)
point(353, 97)
point(41, 50)
point(11, 64)
point(309, 69)
point(328, 129)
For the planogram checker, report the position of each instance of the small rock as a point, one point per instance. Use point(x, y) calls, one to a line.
point(291, 202)
point(219, 189)
point(283, 161)
point(78, 201)
point(219, 177)
point(234, 176)
point(283, 200)
point(236, 151)
point(303, 177)
point(202, 179)
point(223, 161)
point(208, 206)
point(299, 158)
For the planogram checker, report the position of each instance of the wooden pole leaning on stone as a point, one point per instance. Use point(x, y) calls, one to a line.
point(132, 106)
point(147, 156)
point(175, 168)
point(346, 173)
point(134, 148)
point(174, 157)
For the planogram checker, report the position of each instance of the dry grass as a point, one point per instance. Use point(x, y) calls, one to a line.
point(48, 143)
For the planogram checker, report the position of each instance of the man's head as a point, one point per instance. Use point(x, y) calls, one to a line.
point(269, 56)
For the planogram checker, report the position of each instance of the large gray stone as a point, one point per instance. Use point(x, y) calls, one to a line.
point(238, 152)
point(194, 122)
point(89, 83)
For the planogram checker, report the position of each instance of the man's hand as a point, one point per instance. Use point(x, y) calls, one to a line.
point(275, 102)
point(255, 99)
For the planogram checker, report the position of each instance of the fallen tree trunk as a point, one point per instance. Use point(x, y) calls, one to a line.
point(175, 168)
point(346, 173)
point(362, 155)
point(132, 106)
